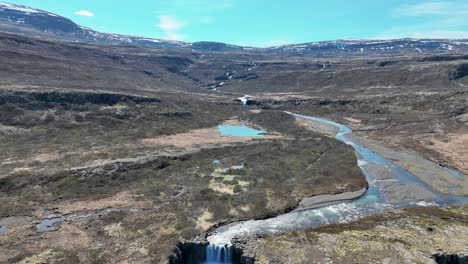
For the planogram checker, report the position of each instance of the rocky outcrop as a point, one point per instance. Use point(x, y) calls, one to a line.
point(196, 252)
point(76, 98)
point(450, 259)
point(459, 72)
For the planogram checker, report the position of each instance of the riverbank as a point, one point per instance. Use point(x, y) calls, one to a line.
point(328, 199)
point(412, 235)
point(438, 177)
point(390, 187)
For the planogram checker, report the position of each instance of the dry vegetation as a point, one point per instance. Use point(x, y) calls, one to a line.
point(415, 235)
point(135, 203)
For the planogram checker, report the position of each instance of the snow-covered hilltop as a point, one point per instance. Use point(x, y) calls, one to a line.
point(377, 46)
point(22, 9)
point(20, 19)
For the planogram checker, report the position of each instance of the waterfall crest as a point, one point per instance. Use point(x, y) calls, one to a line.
point(218, 254)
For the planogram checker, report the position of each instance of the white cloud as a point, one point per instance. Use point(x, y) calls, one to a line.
point(169, 23)
point(170, 27)
point(431, 8)
point(85, 13)
point(453, 21)
point(201, 12)
point(441, 8)
point(431, 19)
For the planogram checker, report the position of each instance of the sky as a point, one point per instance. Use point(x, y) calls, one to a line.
point(264, 23)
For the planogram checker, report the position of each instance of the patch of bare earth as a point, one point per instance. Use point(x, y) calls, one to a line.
point(352, 120)
point(44, 157)
point(318, 127)
point(204, 136)
point(454, 148)
point(120, 200)
point(47, 161)
point(204, 221)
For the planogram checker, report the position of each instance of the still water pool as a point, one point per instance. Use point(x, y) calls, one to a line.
point(240, 131)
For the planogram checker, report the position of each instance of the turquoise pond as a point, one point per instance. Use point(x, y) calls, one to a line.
point(240, 131)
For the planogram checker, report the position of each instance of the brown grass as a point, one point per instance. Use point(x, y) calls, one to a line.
point(204, 136)
point(456, 147)
point(119, 200)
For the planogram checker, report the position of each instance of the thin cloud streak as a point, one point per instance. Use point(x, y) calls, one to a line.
point(431, 9)
point(170, 23)
point(442, 20)
point(170, 27)
point(85, 13)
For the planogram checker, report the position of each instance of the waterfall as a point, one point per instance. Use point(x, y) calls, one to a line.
point(244, 99)
point(218, 254)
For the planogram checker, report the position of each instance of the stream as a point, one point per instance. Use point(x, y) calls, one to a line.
point(390, 187)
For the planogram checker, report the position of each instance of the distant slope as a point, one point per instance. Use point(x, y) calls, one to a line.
point(376, 47)
point(42, 50)
point(23, 19)
point(20, 19)
point(42, 64)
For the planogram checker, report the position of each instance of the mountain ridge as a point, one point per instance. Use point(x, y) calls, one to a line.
point(22, 19)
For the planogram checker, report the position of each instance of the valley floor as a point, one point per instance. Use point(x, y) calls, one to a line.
point(127, 178)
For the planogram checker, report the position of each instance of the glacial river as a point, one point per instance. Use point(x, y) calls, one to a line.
point(390, 187)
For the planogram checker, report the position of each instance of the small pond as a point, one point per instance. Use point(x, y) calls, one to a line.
point(240, 131)
point(48, 225)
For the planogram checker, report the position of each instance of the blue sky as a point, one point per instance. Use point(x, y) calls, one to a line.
point(266, 22)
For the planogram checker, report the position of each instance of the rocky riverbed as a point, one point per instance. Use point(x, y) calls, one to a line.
point(414, 235)
point(390, 187)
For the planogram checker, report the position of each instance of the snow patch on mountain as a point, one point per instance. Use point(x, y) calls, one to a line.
point(62, 27)
point(24, 9)
point(18, 8)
